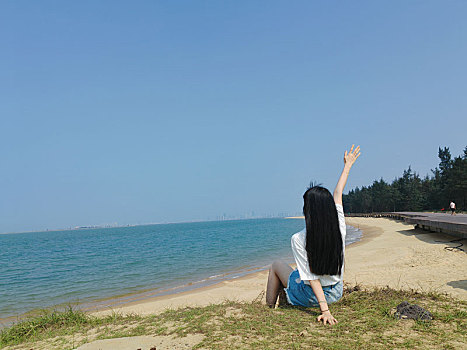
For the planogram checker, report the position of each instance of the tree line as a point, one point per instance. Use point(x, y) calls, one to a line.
point(410, 192)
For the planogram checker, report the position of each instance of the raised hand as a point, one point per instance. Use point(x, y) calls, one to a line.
point(351, 156)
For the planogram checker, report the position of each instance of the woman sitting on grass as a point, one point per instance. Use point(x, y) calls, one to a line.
point(318, 251)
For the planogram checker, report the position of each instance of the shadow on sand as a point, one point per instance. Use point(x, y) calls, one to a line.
point(461, 284)
point(450, 242)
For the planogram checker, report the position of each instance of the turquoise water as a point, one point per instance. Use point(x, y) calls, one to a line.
point(42, 269)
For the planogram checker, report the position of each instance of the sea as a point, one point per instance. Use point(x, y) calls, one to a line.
point(105, 267)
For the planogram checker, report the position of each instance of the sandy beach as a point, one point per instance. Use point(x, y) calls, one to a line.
point(391, 253)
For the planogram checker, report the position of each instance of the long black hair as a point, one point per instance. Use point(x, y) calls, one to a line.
point(323, 237)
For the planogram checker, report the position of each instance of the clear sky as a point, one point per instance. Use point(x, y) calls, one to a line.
point(161, 111)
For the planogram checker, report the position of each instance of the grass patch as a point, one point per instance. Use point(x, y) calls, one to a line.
point(50, 324)
point(365, 321)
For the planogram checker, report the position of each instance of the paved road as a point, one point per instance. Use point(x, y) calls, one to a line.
point(441, 217)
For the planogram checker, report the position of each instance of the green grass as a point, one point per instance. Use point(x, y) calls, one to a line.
point(365, 322)
point(51, 323)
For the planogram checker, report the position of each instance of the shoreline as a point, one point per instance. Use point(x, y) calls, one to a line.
point(214, 293)
point(144, 295)
point(390, 253)
point(137, 262)
point(135, 299)
point(140, 295)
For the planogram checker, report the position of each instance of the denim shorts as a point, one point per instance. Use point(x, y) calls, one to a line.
point(301, 294)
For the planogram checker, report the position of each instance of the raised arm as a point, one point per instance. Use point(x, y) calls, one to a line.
point(349, 158)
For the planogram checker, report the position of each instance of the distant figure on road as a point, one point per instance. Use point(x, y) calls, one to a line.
point(452, 205)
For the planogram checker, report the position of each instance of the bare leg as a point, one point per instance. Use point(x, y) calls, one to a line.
point(278, 278)
point(282, 297)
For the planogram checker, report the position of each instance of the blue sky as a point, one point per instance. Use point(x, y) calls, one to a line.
point(162, 111)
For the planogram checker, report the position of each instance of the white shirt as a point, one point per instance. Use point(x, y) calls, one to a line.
point(298, 248)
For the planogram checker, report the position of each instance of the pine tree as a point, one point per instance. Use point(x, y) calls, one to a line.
point(412, 193)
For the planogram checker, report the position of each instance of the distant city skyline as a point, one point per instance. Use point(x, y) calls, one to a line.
point(163, 111)
point(224, 217)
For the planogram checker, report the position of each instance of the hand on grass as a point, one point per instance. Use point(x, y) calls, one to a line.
point(326, 317)
point(351, 156)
